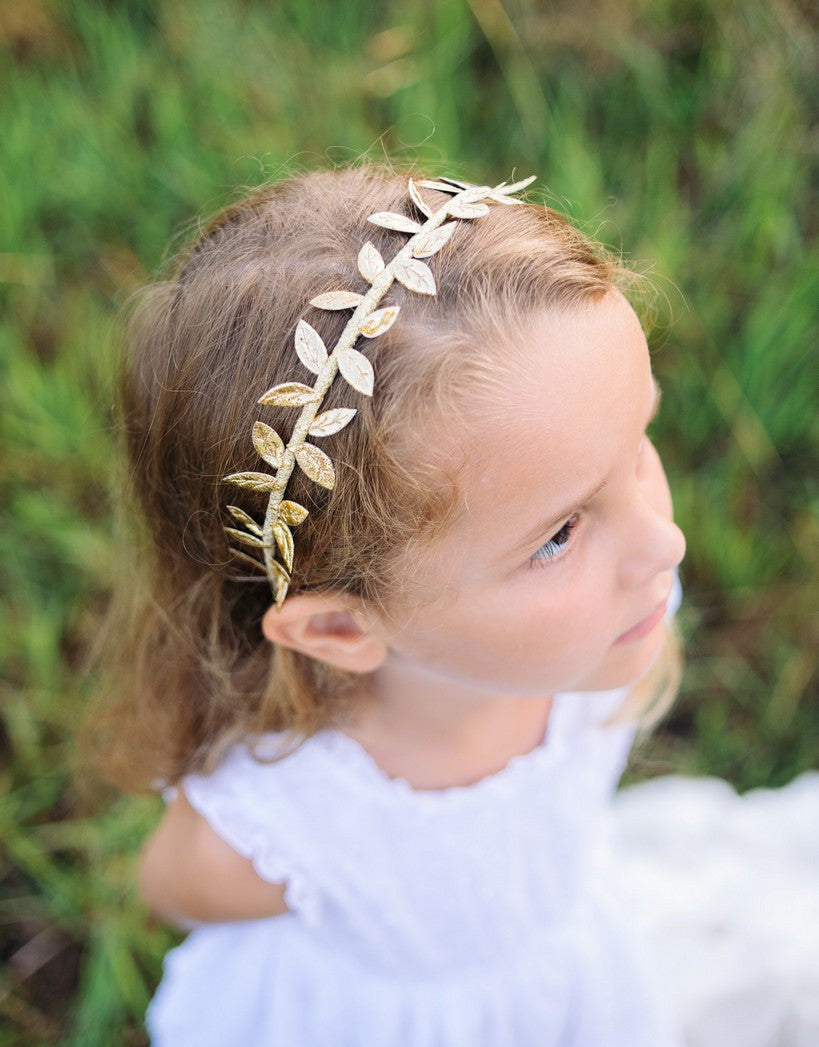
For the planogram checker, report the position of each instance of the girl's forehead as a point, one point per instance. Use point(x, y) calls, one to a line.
point(569, 395)
point(550, 375)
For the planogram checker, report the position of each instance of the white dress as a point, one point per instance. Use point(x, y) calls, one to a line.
point(484, 916)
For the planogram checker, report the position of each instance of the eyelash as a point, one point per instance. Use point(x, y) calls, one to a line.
point(555, 545)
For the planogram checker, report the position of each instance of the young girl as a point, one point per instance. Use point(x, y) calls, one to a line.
point(407, 564)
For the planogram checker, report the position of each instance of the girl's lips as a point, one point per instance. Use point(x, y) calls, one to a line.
point(643, 628)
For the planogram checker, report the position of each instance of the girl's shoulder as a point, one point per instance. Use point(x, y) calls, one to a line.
point(264, 799)
point(257, 775)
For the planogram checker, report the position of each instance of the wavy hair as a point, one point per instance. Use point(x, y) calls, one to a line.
point(186, 664)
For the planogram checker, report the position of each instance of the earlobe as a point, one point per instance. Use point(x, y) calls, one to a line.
point(326, 627)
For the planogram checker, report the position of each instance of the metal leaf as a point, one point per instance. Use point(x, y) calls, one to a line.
point(398, 222)
point(280, 583)
point(289, 394)
point(357, 369)
point(370, 262)
point(284, 541)
point(245, 558)
point(516, 186)
point(241, 517)
point(415, 276)
point(457, 182)
point(336, 300)
point(418, 200)
point(442, 187)
point(474, 193)
point(245, 538)
point(292, 513)
point(317, 465)
point(251, 481)
point(310, 348)
point(330, 422)
point(460, 209)
point(432, 242)
point(268, 443)
point(379, 321)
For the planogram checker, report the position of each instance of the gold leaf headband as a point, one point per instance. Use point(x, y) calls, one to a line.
point(275, 535)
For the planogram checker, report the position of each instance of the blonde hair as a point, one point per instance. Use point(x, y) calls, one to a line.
point(187, 665)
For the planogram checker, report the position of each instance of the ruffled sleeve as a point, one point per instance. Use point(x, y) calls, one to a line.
point(245, 805)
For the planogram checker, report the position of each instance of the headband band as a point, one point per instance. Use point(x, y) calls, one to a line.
point(273, 540)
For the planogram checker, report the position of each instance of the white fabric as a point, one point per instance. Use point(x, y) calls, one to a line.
point(484, 916)
point(497, 915)
point(726, 889)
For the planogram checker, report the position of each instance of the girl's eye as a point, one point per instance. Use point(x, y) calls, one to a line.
point(556, 544)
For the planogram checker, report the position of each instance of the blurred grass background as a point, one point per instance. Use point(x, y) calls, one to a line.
point(676, 129)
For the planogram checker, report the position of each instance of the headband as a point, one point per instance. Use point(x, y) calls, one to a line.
point(273, 540)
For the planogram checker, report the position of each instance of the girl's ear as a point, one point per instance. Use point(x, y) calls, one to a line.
point(327, 627)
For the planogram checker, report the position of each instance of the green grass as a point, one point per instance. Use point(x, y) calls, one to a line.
point(678, 130)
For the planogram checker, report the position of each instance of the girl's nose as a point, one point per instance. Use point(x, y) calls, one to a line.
point(654, 544)
point(670, 545)
point(658, 546)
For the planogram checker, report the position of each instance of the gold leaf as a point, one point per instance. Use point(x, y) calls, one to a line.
point(284, 540)
point(370, 262)
point(442, 187)
point(310, 348)
point(248, 559)
point(244, 538)
point(289, 394)
point(292, 513)
point(431, 243)
point(418, 200)
point(473, 193)
point(241, 516)
point(501, 193)
point(460, 209)
point(415, 276)
point(251, 481)
point(330, 422)
point(337, 300)
point(397, 222)
point(268, 443)
point(357, 369)
point(516, 186)
point(379, 321)
point(280, 583)
point(317, 465)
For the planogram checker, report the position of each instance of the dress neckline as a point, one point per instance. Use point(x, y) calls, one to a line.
point(363, 765)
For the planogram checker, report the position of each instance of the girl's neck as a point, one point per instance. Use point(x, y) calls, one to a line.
point(437, 733)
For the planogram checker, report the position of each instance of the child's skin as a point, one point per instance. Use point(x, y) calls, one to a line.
point(462, 683)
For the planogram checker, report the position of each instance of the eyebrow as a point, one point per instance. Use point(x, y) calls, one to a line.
point(549, 526)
